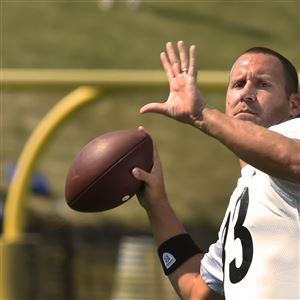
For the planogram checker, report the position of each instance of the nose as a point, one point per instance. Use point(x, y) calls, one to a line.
point(248, 93)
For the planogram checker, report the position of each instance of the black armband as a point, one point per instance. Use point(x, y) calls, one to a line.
point(175, 251)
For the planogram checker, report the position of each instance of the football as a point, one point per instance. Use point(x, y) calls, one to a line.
point(100, 176)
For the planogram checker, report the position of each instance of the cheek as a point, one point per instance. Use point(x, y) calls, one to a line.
point(276, 111)
point(229, 105)
point(281, 111)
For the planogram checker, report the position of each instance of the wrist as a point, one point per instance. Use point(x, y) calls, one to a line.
point(201, 122)
point(163, 222)
point(198, 119)
point(175, 251)
point(158, 209)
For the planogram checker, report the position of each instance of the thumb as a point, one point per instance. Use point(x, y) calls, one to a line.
point(141, 175)
point(155, 107)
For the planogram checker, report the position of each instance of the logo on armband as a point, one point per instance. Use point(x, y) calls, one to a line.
point(168, 259)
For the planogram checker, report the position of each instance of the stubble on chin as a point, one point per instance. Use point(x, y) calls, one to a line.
point(250, 118)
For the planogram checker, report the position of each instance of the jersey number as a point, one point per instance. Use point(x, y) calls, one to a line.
point(236, 274)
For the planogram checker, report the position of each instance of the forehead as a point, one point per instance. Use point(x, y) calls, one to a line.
point(258, 64)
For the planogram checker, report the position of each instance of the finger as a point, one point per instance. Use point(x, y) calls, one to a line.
point(183, 56)
point(142, 128)
point(155, 150)
point(155, 107)
point(141, 175)
point(173, 59)
point(167, 66)
point(157, 166)
point(192, 64)
point(156, 157)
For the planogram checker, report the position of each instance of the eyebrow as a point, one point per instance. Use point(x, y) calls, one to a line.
point(259, 76)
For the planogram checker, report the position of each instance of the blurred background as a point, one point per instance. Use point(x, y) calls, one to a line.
point(76, 255)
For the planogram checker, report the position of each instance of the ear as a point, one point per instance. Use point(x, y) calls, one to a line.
point(294, 105)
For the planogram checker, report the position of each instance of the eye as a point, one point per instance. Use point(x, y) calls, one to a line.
point(238, 84)
point(263, 84)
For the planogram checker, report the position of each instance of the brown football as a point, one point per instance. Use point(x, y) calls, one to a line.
point(100, 176)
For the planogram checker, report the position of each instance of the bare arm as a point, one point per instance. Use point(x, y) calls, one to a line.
point(186, 280)
point(266, 150)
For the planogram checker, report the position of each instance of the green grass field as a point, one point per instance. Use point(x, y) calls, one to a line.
point(200, 173)
point(77, 34)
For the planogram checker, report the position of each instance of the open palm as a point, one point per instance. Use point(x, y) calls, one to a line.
point(185, 102)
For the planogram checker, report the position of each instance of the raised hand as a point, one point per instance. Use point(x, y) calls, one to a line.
point(185, 102)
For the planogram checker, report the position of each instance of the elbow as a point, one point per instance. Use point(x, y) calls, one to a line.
point(287, 164)
point(295, 173)
point(198, 290)
point(291, 174)
point(294, 163)
point(294, 168)
point(192, 287)
point(204, 294)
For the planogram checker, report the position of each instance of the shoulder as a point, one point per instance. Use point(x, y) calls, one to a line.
point(290, 128)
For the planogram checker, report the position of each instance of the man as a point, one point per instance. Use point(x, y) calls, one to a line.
point(257, 252)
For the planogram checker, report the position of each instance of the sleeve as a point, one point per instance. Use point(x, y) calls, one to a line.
point(211, 269)
point(290, 129)
point(287, 190)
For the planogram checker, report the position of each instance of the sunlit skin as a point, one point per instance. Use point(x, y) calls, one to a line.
point(256, 93)
point(256, 90)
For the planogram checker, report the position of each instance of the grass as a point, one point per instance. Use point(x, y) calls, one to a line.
point(181, 151)
point(200, 173)
point(77, 34)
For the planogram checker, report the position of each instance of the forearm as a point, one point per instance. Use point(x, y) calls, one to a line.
point(163, 222)
point(186, 280)
point(184, 275)
point(266, 150)
point(164, 225)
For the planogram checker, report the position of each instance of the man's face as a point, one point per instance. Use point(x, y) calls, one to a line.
point(256, 90)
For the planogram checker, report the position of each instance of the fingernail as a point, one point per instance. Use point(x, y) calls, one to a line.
point(135, 172)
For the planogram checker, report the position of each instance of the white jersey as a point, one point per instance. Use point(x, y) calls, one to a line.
point(257, 253)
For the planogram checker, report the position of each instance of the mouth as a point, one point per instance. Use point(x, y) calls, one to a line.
point(245, 111)
point(246, 115)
